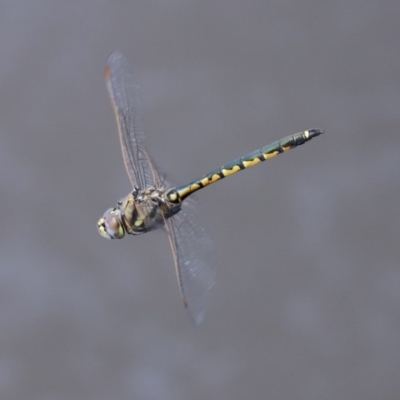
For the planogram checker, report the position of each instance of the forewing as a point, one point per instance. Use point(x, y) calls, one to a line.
point(123, 91)
point(192, 248)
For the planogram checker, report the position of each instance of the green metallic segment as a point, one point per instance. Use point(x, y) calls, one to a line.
point(247, 161)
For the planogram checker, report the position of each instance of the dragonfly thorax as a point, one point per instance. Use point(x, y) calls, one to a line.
point(139, 212)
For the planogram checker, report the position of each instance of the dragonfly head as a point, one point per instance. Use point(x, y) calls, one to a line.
point(110, 224)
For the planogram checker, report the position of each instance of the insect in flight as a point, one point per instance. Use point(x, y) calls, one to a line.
point(153, 203)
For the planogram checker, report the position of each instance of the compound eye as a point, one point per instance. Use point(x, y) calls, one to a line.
point(110, 225)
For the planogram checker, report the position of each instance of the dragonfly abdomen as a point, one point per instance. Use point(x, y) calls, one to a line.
point(247, 161)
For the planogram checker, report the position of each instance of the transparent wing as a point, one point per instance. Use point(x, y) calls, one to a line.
point(192, 249)
point(123, 91)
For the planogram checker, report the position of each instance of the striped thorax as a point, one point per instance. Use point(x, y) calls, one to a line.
point(139, 212)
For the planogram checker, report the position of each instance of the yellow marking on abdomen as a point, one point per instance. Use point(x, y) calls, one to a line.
point(227, 172)
point(206, 181)
point(250, 163)
point(270, 155)
point(173, 197)
point(189, 190)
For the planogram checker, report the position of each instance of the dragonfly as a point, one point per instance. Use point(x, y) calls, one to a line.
point(153, 203)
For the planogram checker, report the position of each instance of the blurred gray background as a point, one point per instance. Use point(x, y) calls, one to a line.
point(307, 299)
